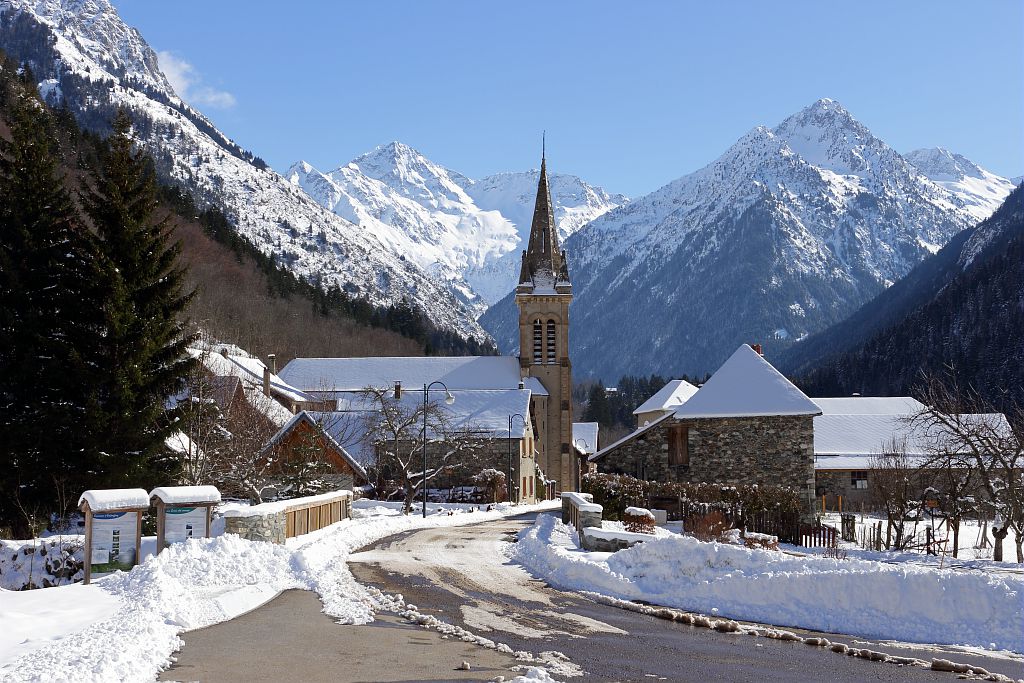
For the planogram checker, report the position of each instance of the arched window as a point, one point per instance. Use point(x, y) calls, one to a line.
point(552, 351)
point(538, 342)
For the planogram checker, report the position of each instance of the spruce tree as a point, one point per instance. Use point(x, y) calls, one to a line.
point(144, 359)
point(48, 332)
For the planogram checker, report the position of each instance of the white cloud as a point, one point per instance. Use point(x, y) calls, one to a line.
point(189, 84)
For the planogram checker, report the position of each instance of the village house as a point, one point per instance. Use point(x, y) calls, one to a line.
point(747, 424)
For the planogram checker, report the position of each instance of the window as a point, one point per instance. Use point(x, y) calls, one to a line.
point(538, 342)
point(531, 486)
point(679, 445)
point(859, 480)
point(552, 355)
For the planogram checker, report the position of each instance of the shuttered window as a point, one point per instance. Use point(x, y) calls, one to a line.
point(678, 445)
point(552, 351)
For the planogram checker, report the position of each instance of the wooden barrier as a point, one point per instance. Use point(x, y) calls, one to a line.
point(818, 536)
point(304, 517)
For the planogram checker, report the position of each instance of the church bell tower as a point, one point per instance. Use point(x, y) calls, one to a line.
point(543, 296)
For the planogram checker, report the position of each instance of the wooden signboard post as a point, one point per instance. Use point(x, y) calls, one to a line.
point(183, 512)
point(113, 529)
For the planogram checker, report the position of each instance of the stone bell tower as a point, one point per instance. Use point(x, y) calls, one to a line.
point(543, 296)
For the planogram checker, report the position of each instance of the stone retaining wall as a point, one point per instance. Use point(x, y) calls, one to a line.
point(269, 527)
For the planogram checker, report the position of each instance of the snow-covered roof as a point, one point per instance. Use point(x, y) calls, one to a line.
point(186, 494)
point(102, 500)
point(870, 435)
point(484, 411)
point(869, 405)
point(672, 395)
point(354, 374)
point(584, 437)
point(330, 424)
point(246, 368)
point(179, 442)
point(745, 386)
point(535, 386)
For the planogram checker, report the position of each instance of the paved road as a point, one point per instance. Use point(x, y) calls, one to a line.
point(290, 639)
point(459, 575)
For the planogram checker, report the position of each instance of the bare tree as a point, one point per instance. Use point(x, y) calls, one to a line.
point(244, 467)
point(952, 486)
point(895, 488)
point(395, 428)
point(200, 419)
point(992, 443)
point(493, 481)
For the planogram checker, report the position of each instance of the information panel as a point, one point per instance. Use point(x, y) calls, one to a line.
point(183, 523)
point(113, 541)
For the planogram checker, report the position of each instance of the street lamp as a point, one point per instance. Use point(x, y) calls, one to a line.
point(510, 450)
point(448, 399)
point(579, 466)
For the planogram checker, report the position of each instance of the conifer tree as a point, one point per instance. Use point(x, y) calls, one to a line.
point(144, 360)
point(48, 332)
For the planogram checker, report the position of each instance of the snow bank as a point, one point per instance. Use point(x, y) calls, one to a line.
point(870, 599)
point(186, 494)
point(125, 626)
point(101, 500)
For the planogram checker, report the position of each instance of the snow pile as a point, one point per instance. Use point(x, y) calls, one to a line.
point(125, 626)
point(870, 599)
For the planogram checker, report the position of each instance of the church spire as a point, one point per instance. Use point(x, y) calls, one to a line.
point(543, 258)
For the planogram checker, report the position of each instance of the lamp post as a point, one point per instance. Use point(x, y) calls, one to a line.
point(448, 399)
point(510, 450)
point(579, 465)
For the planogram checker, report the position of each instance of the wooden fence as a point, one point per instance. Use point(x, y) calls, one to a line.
point(303, 518)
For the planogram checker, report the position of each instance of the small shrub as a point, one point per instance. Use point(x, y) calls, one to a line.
point(761, 541)
point(638, 520)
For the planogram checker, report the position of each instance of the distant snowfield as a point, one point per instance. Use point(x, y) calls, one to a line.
point(901, 602)
point(126, 626)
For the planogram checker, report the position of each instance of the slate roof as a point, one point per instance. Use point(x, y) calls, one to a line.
point(746, 386)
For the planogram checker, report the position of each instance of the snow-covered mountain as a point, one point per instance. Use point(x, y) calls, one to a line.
point(789, 231)
point(466, 232)
point(981, 191)
point(86, 57)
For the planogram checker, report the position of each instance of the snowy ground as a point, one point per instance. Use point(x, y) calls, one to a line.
point(125, 626)
point(904, 602)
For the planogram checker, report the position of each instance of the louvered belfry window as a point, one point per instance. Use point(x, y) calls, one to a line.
point(552, 351)
point(538, 342)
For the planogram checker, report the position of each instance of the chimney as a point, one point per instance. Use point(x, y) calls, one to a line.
point(224, 351)
point(757, 348)
point(266, 381)
point(272, 357)
point(398, 390)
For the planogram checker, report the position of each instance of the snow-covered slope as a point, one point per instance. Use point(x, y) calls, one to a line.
point(466, 233)
point(97, 64)
point(981, 191)
point(790, 230)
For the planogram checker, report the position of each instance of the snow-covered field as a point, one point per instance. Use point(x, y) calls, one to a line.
point(125, 626)
point(905, 602)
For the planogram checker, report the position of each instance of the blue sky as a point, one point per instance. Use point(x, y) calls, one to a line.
point(632, 94)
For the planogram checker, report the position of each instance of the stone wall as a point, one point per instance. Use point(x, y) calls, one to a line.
point(269, 527)
point(765, 450)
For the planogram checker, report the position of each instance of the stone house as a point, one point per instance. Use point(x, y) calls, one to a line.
point(747, 424)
